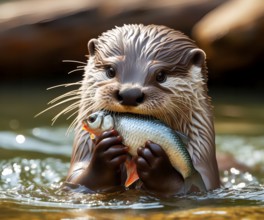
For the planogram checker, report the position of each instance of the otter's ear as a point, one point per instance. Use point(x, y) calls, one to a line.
point(196, 57)
point(92, 46)
point(196, 62)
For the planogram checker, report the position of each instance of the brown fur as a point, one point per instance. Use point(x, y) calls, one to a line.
point(138, 53)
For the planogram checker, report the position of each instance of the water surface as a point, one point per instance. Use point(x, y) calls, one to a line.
point(35, 160)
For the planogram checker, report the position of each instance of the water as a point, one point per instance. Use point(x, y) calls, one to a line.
point(35, 160)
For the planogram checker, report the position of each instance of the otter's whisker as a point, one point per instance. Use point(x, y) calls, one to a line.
point(73, 61)
point(76, 70)
point(73, 114)
point(73, 125)
point(66, 110)
point(55, 105)
point(71, 107)
point(85, 112)
point(74, 93)
point(65, 100)
point(65, 85)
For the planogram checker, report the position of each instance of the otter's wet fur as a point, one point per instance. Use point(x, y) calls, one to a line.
point(136, 54)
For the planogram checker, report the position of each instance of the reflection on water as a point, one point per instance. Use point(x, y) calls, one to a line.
point(51, 141)
point(33, 170)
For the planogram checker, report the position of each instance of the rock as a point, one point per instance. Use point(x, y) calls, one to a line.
point(232, 35)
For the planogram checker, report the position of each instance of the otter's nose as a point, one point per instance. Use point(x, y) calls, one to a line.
point(132, 97)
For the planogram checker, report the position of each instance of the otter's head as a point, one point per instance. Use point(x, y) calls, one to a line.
point(151, 70)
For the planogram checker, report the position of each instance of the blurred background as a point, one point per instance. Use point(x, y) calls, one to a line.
point(37, 35)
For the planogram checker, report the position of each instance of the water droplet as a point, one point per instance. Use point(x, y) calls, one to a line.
point(7, 171)
point(17, 168)
point(33, 166)
point(36, 131)
point(225, 179)
point(234, 171)
point(248, 176)
point(20, 139)
point(241, 185)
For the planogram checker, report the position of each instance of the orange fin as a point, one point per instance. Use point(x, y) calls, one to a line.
point(86, 128)
point(92, 136)
point(132, 175)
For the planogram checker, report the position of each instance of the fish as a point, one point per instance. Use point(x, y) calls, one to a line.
point(135, 131)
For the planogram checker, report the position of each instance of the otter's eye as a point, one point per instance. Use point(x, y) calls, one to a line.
point(110, 72)
point(161, 77)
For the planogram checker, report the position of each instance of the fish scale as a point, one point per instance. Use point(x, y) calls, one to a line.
point(136, 130)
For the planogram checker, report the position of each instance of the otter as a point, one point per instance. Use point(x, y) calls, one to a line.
point(151, 70)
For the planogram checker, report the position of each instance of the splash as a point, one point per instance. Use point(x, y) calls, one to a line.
point(31, 177)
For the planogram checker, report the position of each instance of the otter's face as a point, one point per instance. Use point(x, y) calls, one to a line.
point(151, 70)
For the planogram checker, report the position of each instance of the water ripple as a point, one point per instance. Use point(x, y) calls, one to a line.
point(31, 181)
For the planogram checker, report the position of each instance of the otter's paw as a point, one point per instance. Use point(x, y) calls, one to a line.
point(156, 172)
point(103, 171)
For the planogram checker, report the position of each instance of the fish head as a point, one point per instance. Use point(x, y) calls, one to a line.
point(98, 122)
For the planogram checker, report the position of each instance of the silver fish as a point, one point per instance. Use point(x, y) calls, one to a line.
point(135, 131)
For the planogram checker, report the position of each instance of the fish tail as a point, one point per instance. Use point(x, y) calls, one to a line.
point(132, 175)
point(194, 180)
